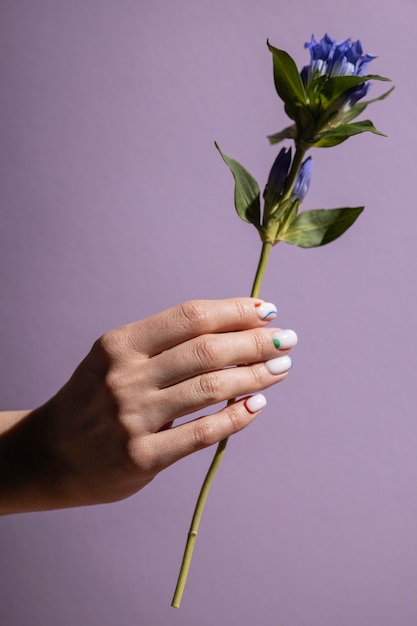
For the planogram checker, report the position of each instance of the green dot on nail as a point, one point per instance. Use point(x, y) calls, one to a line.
point(277, 343)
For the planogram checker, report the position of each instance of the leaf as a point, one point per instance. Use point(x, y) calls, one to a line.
point(287, 133)
point(340, 133)
point(360, 107)
point(335, 86)
point(288, 81)
point(247, 193)
point(320, 226)
point(384, 79)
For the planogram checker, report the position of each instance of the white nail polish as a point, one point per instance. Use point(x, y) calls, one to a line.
point(266, 310)
point(280, 365)
point(284, 339)
point(255, 403)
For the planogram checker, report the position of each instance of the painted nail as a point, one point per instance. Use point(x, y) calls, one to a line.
point(255, 403)
point(266, 310)
point(280, 365)
point(284, 339)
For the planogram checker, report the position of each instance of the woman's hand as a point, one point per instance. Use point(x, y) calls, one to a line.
point(109, 430)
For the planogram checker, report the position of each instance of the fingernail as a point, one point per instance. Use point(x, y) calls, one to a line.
point(255, 403)
point(284, 339)
point(266, 310)
point(280, 365)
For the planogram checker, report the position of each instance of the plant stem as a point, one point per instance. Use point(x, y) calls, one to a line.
point(263, 260)
point(201, 500)
point(195, 523)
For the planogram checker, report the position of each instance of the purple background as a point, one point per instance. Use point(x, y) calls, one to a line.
point(114, 205)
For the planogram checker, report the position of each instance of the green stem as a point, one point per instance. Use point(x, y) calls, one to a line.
point(195, 523)
point(201, 500)
point(263, 260)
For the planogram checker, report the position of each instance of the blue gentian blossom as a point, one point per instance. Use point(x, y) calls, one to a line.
point(323, 98)
point(279, 172)
point(278, 177)
point(302, 182)
point(337, 58)
point(333, 58)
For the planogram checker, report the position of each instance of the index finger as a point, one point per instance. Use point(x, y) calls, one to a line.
point(190, 319)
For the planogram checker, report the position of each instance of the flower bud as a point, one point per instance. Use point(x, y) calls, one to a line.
point(302, 182)
point(278, 174)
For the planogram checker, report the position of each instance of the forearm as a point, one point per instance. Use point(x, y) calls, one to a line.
point(8, 419)
point(26, 473)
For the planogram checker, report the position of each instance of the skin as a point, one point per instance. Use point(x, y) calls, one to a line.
point(109, 431)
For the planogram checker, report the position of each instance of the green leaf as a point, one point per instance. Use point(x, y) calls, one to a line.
point(288, 81)
point(320, 226)
point(384, 79)
point(287, 133)
point(340, 133)
point(247, 193)
point(360, 107)
point(335, 86)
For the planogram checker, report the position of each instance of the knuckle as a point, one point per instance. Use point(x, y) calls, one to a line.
point(210, 386)
point(194, 313)
point(111, 344)
point(241, 311)
point(112, 383)
point(143, 457)
point(235, 418)
point(203, 434)
point(259, 344)
point(207, 352)
point(258, 375)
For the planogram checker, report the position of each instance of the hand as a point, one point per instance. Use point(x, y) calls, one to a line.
point(109, 430)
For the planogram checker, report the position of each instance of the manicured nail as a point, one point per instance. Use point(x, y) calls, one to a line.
point(266, 310)
point(255, 403)
point(280, 365)
point(284, 339)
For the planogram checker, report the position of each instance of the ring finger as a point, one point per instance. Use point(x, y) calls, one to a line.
point(212, 387)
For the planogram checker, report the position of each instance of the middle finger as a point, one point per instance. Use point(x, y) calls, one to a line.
point(213, 352)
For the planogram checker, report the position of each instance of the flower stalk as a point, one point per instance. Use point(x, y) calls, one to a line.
point(195, 523)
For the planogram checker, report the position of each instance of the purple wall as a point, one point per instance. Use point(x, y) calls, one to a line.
point(115, 204)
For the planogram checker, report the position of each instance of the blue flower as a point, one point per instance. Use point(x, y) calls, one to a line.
point(323, 99)
point(337, 58)
point(302, 182)
point(278, 174)
point(332, 58)
point(283, 197)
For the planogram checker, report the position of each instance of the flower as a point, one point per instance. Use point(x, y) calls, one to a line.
point(284, 192)
point(302, 182)
point(332, 58)
point(323, 98)
point(278, 175)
